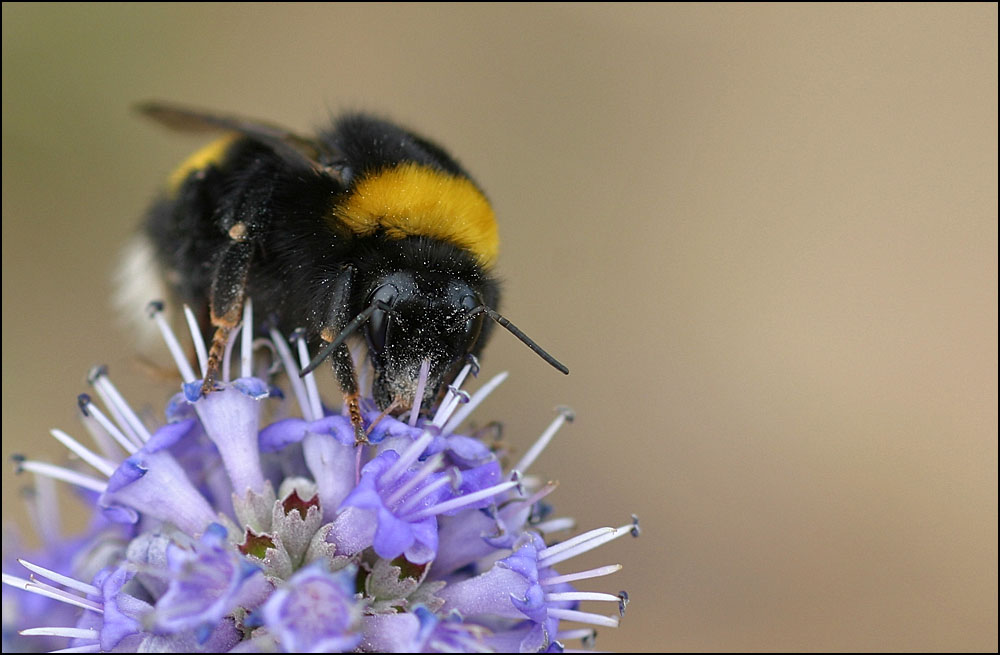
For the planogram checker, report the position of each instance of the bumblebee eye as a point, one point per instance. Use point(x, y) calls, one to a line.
point(472, 329)
point(377, 329)
point(378, 326)
point(474, 325)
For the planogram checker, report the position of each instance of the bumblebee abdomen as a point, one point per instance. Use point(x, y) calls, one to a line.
point(212, 154)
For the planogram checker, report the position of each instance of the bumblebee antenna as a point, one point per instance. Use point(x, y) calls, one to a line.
point(346, 332)
point(386, 307)
point(525, 339)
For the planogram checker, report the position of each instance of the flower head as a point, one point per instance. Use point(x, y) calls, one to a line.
point(221, 531)
point(315, 611)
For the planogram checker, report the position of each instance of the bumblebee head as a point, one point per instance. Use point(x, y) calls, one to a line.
point(412, 317)
point(417, 318)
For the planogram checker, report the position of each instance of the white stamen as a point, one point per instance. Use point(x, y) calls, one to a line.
point(477, 398)
point(468, 499)
point(406, 458)
point(581, 595)
point(428, 468)
point(451, 400)
point(246, 345)
point(66, 475)
point(48, 591)
point(460, 378)
point(579, 633)
point(543, 441)
point(187, 373)
point(584, 617)
point(582, 575)
point(121, 410)
point(556, 525)
point(227, 358)
point(14, 581)
point(111, 450)
point(275, 366)
point(99, 463)
point(199, 343)
point(511, 509)
point(535, 497)
point(551, 559)
point(419, 497)
point(358, 349)
point(418, 397)
point(570, 543)
point(311, 389)
point(46, 515)
point(298, 386)
point(72, 633)
point(64, 580)
point(112, 429)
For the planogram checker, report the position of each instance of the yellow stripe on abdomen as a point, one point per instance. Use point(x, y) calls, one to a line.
point(414, 200)
point(211, 154)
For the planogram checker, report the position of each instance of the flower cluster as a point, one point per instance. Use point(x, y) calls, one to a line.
point(214, 533)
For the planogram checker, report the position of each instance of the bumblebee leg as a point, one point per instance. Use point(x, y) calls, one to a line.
point(228, 293)
point(343, 370)
point(343, 365)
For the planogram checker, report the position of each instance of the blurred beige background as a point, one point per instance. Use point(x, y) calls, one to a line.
point(764, 239)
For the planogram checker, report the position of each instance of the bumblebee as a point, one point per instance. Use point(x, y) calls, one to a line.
point(366, 230)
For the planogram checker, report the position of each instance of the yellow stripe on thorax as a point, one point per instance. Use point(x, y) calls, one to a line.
point(211, 154)
point(413, 200)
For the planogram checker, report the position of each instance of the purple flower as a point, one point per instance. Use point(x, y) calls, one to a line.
point(328, 447)
point(422, 631)
point(402, 499)
point(82, 557)
point(206, 583)
point(153, 484)
point(218, 532)
point(524, 586)
point(314, 611)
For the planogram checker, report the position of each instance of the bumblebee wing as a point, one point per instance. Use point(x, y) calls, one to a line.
point(296, 150)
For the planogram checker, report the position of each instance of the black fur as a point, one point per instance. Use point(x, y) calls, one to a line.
point(299, 265)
